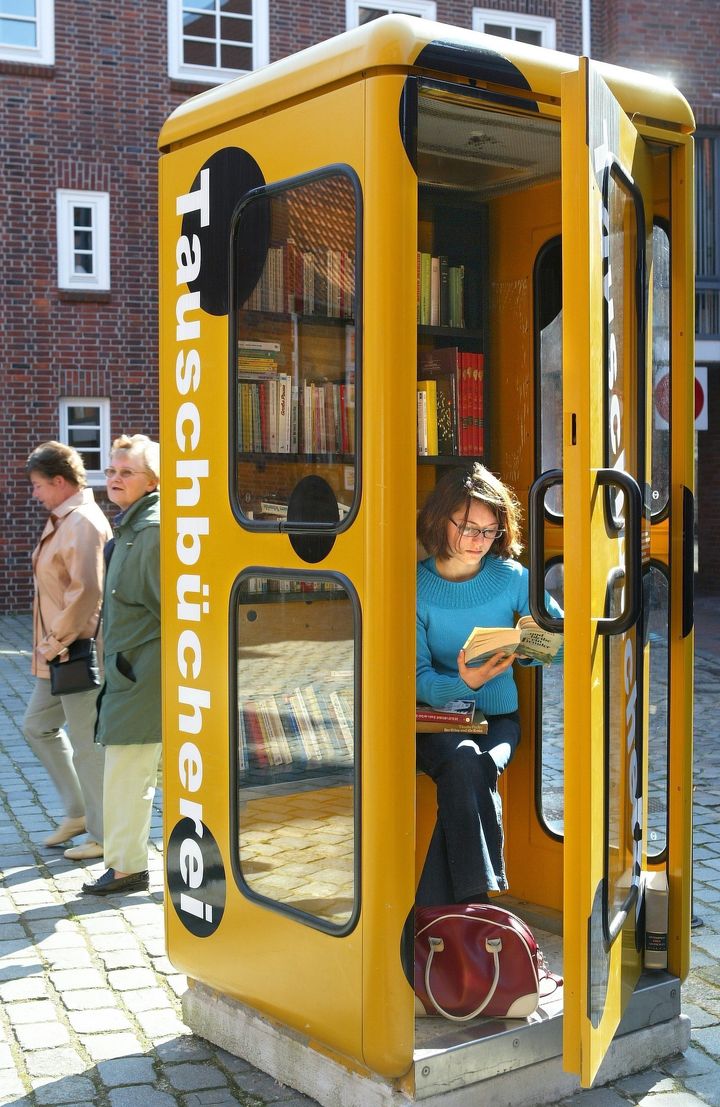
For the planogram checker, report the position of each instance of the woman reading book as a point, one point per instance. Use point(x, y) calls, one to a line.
point(470, 528)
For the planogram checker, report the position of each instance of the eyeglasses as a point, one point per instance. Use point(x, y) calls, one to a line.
point(124, 474)
point(466, 530)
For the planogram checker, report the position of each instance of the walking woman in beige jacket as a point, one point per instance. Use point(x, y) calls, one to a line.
point(68, 570)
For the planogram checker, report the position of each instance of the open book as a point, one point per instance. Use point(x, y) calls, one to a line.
point(456, 715)
point(526, 639)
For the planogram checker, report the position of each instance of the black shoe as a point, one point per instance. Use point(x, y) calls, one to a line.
point(108, 883)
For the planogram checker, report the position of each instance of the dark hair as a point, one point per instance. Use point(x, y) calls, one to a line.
point(54, 459)
point(456, 490)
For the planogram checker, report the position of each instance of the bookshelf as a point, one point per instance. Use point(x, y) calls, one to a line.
point(293, 353)
point(452, 312)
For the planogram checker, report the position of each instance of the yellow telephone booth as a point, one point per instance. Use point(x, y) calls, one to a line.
point(403, 249)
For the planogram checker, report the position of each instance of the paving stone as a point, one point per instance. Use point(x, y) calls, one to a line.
point(126, 1070)
point(98, 1021)
point(147, 999)
point(127, 979)
point(260, 1084)
point(161, 1024)
point(707, 1087)
point(101, 1047)
point(55, 1062)
point(671, 1099)
point(141, 1095)
point(33, 987)
point(43, 1035)
point(31, 1011)
point(89, 1000)
point(188, 1078)
point(185, 1049)
point(73, 1090)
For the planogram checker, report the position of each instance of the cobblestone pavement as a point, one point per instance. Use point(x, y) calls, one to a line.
point(90, 1004)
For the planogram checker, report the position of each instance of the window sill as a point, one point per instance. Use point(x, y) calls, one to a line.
point(84, 295)
point(189, 87)
point(26, 68)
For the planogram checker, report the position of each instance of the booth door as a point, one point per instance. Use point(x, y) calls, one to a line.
point(606, 259)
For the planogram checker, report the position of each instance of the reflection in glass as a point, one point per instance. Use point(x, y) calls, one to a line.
point(551, 727)
point(296, 755)
point(549, 323)
point(661, 371)
point(658, 614)
point(294, 291)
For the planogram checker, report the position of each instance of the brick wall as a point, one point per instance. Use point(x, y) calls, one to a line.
point(89, 122)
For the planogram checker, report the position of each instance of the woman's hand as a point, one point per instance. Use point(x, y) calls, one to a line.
point(477, 675)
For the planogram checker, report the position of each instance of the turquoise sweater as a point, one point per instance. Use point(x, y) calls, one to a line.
point(446, 613)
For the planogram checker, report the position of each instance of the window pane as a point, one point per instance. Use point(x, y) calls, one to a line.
point(82, 217)
point(294, 283)
point(236, 30)
point(198, 5)
point(548, 297)
point(366, 15)
point(83, 263)
point(296, 753)
point(661, 372)
point(14, 32)
point(524, 34)
point(498, 29)
point(236, 7)
point(83, 240)
point(551, 737)
point(84, 439)
point(658, 607)
point(199, 53)
point(90, 416)
point(200, 26)
point(25, 8)
point(236, 57)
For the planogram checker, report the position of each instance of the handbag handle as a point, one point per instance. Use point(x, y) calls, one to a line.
point(493, 947)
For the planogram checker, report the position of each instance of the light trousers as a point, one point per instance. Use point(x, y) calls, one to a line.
point(130, 777)
point(60, 731)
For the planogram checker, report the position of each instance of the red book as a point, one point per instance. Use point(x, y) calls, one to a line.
point(256, 745)
point(467, 438)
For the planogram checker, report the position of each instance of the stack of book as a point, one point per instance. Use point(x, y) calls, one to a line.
point(457, 715)
point(450, 402)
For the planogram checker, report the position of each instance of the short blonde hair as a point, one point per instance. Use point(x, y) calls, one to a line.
point(139, 445)
point(55, 459)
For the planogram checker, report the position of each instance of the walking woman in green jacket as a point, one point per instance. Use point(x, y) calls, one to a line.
point(129, 724)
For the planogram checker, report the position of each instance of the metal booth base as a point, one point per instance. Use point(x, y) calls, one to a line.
point(503, 1063)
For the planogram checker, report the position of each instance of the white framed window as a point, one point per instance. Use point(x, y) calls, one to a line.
point(213, 40)
point(85, 424)
point(83, 240)
point(358, 12)
point(537, 30)
point(27, 31)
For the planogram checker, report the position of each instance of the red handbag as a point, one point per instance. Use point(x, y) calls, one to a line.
point(475, 959)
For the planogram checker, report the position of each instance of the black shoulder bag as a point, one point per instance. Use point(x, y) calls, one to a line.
point(80, 671)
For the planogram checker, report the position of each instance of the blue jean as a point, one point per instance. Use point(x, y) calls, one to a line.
point(465, 856)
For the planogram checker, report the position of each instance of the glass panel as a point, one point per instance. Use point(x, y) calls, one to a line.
point(236, 30)
point(296, 747)
point(236, 7)
point(661, 372)
point(551, 727)
point(524, 34)
point(548, 298)
point(498, 29)
point(82, 217)
point(198, 5)
point(199, 53)
point(707, 312)
point(83, 263)
point(83, 240)
point(89, 416)
point(294, 288)
point(658, 612)
point(84, 438)
point(200, 26)
point(236, 57)
point(624, 658)
point(14, 32)
point(25, 8)
point(366, 15)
